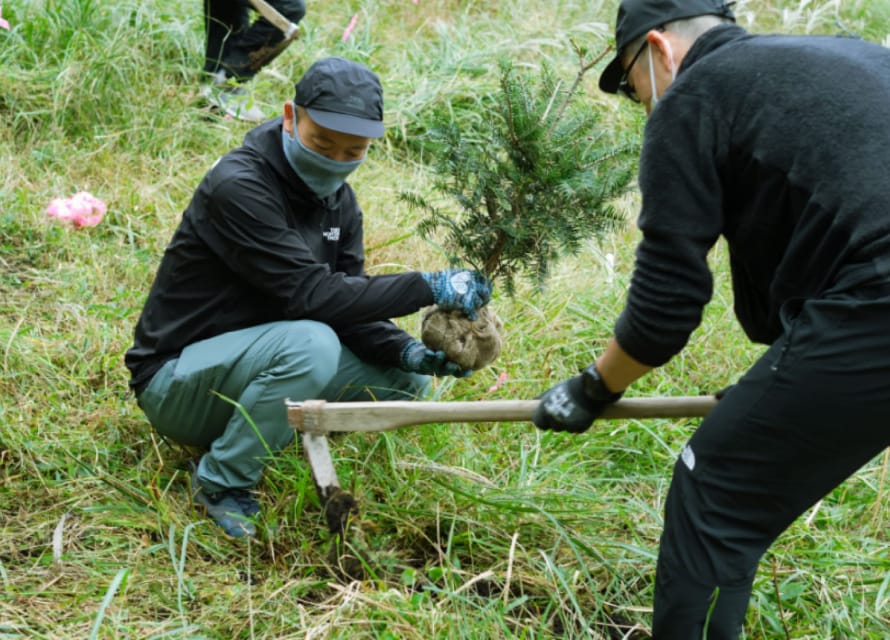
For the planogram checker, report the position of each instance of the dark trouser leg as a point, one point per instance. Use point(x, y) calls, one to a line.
point(241, 53)
point(223, 19)
point(809, 414)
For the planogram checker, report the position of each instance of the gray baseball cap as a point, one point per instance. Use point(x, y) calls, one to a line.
point(344, 96)
point(637, 17)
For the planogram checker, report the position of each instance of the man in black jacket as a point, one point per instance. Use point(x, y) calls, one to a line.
point(778, 144)
point(262, 296)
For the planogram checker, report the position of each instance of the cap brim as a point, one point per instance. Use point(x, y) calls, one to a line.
point(347, 124)
point(611, 76)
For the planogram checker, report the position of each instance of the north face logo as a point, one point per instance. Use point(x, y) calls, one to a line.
point(332, 234)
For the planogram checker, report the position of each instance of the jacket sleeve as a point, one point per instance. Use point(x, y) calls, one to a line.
point(681, 219)
point(247, 228)
point(379, 342)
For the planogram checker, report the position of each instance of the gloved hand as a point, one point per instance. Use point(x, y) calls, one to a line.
point(461, 289)
point(418, 358)
point(574, 404)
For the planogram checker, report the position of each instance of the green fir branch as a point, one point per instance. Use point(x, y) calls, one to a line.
point(531, 180)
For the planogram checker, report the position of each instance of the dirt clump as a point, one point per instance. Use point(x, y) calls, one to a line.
point(473, 344)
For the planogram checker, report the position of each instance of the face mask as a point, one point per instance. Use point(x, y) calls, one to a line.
point(321, 174)
point(654, 100)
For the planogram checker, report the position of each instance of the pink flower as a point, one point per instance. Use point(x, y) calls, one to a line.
point(348, 30)
point(3, 23)
point(500, 382)
point(82, 209)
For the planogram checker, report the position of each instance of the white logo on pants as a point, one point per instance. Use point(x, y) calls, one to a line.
point(688, 457)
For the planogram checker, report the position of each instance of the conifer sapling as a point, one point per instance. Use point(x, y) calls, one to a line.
point(533, 179)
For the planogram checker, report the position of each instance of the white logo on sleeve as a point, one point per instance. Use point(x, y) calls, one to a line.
point(559, 404)
point(332, 234)
point(460, 281)
point(688, 457)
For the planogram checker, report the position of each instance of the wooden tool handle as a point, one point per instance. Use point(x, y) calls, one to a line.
point(319, 416)
point(270, 13)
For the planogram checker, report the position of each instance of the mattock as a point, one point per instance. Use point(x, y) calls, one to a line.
point(315, 419)
point(289, 30)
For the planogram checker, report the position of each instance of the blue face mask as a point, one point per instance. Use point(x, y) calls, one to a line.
point(323, 175)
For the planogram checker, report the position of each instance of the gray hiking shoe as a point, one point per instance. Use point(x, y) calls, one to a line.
point(232, 509)
point(231, 99)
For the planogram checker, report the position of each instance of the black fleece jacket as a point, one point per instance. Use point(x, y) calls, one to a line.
point(255, 245)
point(780, 145)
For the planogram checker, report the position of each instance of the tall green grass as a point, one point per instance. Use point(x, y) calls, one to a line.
point(467, 531)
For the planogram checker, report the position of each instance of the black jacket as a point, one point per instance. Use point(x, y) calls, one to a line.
point(780, 144)
point(255, 245)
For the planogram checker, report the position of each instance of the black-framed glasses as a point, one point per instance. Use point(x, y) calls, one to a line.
point(625, 88)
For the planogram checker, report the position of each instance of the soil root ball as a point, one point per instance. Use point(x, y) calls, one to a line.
point(473, 344)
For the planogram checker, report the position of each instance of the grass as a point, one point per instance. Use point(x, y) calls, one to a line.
point(469, 531)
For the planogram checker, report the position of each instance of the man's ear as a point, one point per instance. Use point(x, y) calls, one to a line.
point(670, 47)
point(660, 44)
point(288, 122)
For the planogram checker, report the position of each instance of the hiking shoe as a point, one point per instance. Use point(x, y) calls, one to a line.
point(231, 99)
point(250, 507)
point(232, 509)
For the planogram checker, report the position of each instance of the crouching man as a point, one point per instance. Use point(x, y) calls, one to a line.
point(262, 296)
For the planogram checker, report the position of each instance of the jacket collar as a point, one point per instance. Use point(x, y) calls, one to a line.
point(710, 41)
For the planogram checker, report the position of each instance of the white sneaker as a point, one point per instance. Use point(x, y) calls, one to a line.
point(232, 100)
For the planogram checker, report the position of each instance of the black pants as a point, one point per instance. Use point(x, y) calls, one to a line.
point(812, 410)
point(231, 37)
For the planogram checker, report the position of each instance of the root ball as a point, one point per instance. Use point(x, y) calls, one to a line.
point(473, 344)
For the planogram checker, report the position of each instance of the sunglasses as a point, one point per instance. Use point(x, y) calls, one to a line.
point(625, 88)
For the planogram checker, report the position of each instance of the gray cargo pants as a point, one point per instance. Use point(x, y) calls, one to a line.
point(190, 399)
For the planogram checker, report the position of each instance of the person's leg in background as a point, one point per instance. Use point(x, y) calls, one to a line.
point(223, 20)
point(808, 415)
point(258, 44)
point(236, 49)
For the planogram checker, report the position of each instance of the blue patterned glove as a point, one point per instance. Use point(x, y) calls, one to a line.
point(418, 358)
point(460, 289)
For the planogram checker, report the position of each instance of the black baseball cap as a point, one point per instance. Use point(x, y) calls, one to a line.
point(342, 95)
point(636, 17)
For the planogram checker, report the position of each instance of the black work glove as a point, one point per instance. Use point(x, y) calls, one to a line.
point(574, 404)
point(416, 357)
